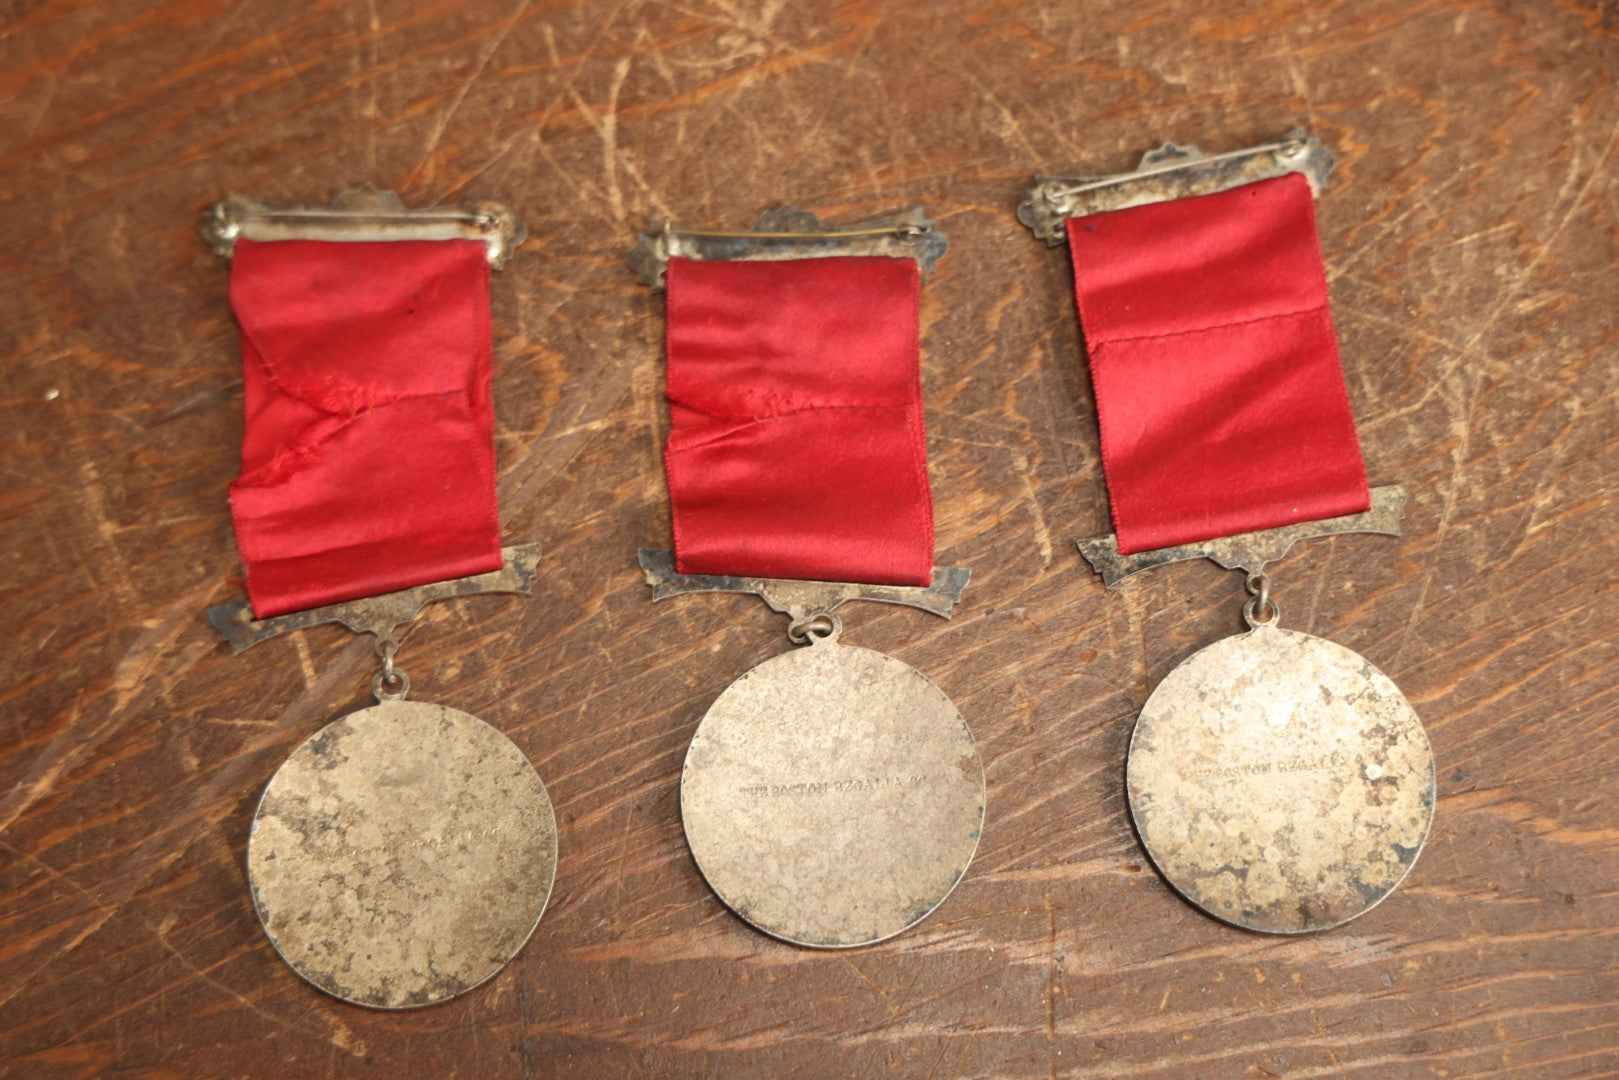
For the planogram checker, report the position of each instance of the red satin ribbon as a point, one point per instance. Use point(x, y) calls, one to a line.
point(368, 459)
point(1218, 387)
point(795, 446)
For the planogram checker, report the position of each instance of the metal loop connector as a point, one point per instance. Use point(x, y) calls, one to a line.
point(816, 627)
point(1254, 611)
point(386, 646)
point(395, 687)
point(391, 683)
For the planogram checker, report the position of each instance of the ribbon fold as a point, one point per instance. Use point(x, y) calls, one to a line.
point(1219, 392)
point(368, 459)
point(796, 446)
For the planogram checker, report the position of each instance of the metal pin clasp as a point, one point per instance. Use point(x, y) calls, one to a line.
point(786, 233)
point(361, 215)
point(904, 230)
point(1172, 171)
point(1171, 158)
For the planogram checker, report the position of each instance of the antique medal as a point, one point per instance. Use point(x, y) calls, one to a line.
point(832, 796)
point(1278, 781)
point(404, 853)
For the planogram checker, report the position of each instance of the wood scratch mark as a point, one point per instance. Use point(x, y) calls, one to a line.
point(107, 911)
point(128, 681)
point(340, 1037)
point(1042, 534)
point(373, 110)
point(1051, 984)
point(606, 125)
point(306, 666)
point(52, 87)
point(1301, 88)
point(1451, 493)
point(1341, 266)
point(863, 977)
point(466, 84)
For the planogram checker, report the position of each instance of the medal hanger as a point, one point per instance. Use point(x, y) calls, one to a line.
point(1278, 781)
point(404, 853)
point(833, 796)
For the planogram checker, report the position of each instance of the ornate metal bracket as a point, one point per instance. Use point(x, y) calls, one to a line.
point(362, 215)
point(1170, 172)
point(377, 615)
point(801, 600)
point(785, 233)
point(1247, 551)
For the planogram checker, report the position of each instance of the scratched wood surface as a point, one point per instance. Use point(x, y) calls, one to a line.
point(1470, 234)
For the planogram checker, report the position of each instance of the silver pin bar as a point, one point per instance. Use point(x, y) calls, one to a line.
point(786, 233)
point(361, 216)
point(1170, 172)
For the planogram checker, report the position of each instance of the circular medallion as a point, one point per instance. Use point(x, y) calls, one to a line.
point(832, 796)
point(402, 855)
point(1281, 782)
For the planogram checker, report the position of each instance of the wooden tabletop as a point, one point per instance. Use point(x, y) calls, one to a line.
point(1470, 234)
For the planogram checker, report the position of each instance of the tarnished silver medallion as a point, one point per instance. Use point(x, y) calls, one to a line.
point(402, 855)
point(832, 796)
point(1280, 781)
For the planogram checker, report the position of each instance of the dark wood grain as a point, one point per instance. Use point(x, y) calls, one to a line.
point(1471, 234)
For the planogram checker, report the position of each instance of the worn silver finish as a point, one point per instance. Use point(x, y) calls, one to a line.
point(361, 215)
point(802, 599)
point(1248, 551)
point(832, 796)
point(377, 615)
point(402, 855)
point(1280, 781)
point(785, 233)
point(1169, 172)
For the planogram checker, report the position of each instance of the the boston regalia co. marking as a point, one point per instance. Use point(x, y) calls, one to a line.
point(402, 855)
point(1281, 782)
point(833, 796)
